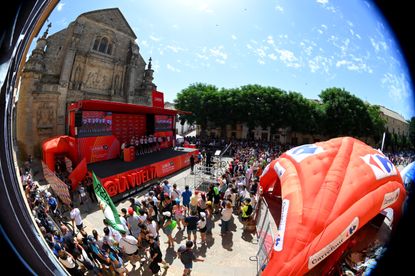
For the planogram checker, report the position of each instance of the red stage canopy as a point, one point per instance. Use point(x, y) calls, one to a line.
point(122, 107)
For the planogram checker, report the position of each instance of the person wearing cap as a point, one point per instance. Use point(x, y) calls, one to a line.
point(168, 226)
point(202, 226)
point(52, 202)
point(133, 221)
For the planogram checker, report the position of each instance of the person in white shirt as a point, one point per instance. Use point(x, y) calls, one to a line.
point(128, 245)
point(225, 218)
point(76, 218)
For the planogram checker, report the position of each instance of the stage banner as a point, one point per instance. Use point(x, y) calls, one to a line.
point(95, 123)
point(57, 185)
point(99, 148)
point(158, 99)
point(163, 122)
point(78, 174)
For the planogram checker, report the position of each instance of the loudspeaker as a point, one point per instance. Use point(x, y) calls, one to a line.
point(150, 127)
point(78, 118)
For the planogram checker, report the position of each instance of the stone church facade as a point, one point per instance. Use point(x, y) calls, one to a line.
point(95, 57)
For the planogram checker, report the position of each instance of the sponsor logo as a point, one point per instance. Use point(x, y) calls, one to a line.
point(168, 167)
point(390, 198)
point(279, 241)
point(381, 166)
point(302, 152)
point(279, 169)
point(331, 247)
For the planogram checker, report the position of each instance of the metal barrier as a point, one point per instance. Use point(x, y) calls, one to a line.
point(266, 231)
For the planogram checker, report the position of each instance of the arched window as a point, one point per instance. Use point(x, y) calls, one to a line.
point(103, 45)
point(109, 50)
point(96, 43)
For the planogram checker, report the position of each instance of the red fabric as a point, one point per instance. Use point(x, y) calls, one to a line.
point(78, 174)
point(158, 99)
point(329, 190)
point(59, 145)
point(122, 107)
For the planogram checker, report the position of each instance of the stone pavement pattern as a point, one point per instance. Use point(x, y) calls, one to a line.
point(223, 256)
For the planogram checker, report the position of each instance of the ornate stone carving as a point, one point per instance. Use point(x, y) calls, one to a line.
point(45, 115)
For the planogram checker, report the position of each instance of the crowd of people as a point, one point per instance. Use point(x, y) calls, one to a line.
point(165, 210)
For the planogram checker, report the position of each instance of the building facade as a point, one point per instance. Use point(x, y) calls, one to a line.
point(395, 123)
point(95, 57)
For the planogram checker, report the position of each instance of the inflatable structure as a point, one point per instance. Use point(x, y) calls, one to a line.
point(329, 190)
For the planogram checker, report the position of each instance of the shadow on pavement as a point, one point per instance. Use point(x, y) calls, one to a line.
point(170, 255)
point(227, 241)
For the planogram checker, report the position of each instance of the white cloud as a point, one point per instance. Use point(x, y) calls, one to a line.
point(358, 36)
point(322, 1)
point(288, 58)
point(201, 56)
point(156, 39)
point(174, 49)
point(272, 56)
point(356, 64)
point(397, 85)
point(175, 26)
point(249, 46)
point(173, 69)
point(218, 53)
point(260, 61)
point(270, 40)
point(234, 37)
point(320, 63)
point(60, 6)
point(378, 45)
point(260, 52)
point(279, 8)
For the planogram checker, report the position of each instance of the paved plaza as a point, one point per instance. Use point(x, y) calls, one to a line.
point(227, 255)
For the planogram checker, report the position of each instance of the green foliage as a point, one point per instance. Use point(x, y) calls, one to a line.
point(340, 112)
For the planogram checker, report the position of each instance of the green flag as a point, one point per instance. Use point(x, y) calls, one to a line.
point(107, 206)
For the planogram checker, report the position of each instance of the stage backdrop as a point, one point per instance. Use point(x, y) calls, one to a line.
point(126, 126)
point(99, 148)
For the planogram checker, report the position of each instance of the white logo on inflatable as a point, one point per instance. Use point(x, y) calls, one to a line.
point(279, 169)
point(279, 241)
point(331, 247)
point(302, 152)
point(390, 198)
point(381, 166)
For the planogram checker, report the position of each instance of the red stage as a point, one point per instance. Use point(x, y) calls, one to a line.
point(97, 129)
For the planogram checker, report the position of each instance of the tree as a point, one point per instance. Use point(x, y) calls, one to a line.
point(345, 114)
point(198, 99)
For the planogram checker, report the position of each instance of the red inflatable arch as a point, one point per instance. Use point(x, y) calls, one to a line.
point(329, 190)
point(59, 145)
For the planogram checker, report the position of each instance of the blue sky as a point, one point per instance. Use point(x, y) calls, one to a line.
point(303, 45)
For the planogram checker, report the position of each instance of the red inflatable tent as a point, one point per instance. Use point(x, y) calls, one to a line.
point(329, 190)
point(62, 145)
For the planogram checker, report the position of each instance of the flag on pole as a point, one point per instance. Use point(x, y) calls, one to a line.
point(107, 206)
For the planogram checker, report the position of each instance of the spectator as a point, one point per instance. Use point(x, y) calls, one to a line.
point(186, 196)
point(226, 218)
point(187, 257)
point(191, 224)
point(76, 218)
point(192, 163)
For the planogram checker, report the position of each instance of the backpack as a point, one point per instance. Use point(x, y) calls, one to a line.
point(173, 224)
point(249, 211)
